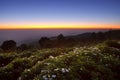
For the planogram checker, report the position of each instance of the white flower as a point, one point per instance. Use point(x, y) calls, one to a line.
point(44, 76)
point(48, 75)
point(28, 70)
point(44, 71)
point(53, 76)
point(19, 78)
point(38, 62)
point(106, 64)
point(63, 70)
point(56, 69)
point(51, 57)
point(47, 63)
point(67, 70)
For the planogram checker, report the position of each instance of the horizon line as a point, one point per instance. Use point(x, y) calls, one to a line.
point(59, 28)
point(54, 27)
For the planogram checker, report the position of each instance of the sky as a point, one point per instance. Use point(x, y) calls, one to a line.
point(21, 14)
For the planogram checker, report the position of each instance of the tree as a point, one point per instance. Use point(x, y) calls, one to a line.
point(45, 42)
point(9, 45)
point(61, 41)
point(60, 37)
point(23, 47)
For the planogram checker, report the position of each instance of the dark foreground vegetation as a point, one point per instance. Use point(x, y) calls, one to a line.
point(81, 57)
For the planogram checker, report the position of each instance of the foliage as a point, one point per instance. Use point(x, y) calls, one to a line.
point(78, 63)
point(113, 43)
point(8, 46)
point(22, 47)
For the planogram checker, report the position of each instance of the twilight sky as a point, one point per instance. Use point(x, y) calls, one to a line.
point(59, 13)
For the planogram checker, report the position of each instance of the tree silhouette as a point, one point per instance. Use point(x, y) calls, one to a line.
point(23, 47)
point(60, 37)
point(45, 42)
point(9, 45)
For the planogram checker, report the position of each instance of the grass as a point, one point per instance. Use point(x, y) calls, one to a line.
point(78, 63)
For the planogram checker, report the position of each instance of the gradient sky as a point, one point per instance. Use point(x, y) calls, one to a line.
point(36, 13)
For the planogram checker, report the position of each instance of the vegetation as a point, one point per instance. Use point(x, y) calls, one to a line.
point(85, 39)
point(67, 61)
point(8, 45)
point(99, 62)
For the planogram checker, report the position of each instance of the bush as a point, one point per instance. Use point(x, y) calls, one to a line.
point(93, 63)
point(114, 44)
point(22, 47)
point(9, 45)
point(1, 50)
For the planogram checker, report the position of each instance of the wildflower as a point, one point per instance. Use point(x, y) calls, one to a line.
point(28, 70)
point(44, 76)
point(19, 78)
point(63, 70)
point(51, 57)
point(38, 62)
point(56, 69)
point(44, 71)
point(47, 63)
point(53, 76)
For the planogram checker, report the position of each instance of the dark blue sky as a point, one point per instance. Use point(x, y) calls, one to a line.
point(81, 11)
point(70, 11)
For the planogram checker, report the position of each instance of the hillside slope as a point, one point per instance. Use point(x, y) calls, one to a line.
point(78, 63)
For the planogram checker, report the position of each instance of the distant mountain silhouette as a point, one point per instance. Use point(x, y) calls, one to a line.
point(85, 39)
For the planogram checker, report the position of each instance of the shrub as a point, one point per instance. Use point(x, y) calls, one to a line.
point(113, 43)
point(9, 45)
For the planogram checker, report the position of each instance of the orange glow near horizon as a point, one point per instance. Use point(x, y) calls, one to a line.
point(58, 26)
